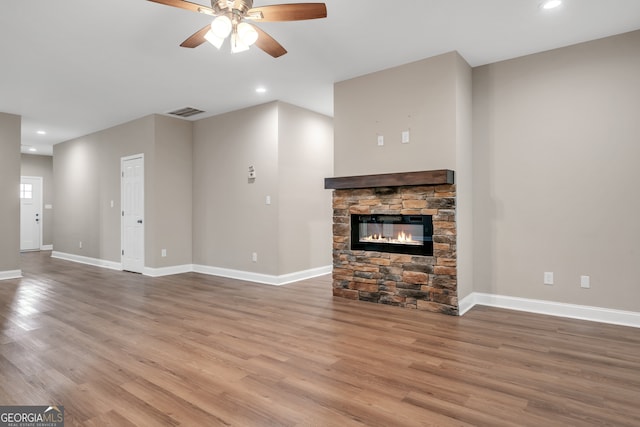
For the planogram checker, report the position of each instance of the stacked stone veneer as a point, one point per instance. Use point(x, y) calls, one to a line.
point(412, 281)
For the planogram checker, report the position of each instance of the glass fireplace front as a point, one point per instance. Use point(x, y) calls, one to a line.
point(405, 234)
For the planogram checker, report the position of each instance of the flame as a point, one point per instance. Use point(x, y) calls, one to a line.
point(402, 237)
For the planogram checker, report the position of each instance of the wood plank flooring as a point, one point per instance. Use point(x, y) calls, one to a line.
point(120, 349)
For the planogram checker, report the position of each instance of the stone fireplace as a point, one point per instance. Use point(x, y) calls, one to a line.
point(401, 277)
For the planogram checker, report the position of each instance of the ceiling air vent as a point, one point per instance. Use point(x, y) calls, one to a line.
point(185, 112)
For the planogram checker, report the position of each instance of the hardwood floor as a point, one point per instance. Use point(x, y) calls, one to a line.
point(120, 349)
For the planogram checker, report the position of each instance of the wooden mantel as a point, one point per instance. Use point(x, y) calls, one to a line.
point(435, 177)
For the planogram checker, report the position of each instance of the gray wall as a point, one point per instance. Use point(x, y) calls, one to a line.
point(171, 185)
point(34, 165)
point(230, 217)
point(420, 97)
point(9, 185)
point(87, 179)
point(305, 157)
point(556, 176)
point(464, 177)
point(290, 149)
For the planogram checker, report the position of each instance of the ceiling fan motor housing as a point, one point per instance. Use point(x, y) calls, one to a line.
point(237, 7)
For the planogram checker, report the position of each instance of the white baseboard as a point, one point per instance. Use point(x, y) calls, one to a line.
point(46, 247)
point(266, 279)
point(87, 260)
point(304, 274)
point(552, 308)
point(167, 271)
point(10, 274)
point(466, 303)
point(204, 269)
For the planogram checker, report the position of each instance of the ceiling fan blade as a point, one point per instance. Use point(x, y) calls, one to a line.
point(269, 44)
point(183, 4)
point(196, 39)
point(288, 12)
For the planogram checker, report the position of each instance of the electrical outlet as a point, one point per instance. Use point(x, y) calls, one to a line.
point(585, 282)
point(548, 278)
point(80, 244)
point(163, 253)
point(380, 140)
point(254, 257)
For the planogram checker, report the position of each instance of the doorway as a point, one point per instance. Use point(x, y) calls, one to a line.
point(132, 203)
point(30, 213)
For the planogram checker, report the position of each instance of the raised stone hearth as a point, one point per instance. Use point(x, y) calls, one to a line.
point(411, 281)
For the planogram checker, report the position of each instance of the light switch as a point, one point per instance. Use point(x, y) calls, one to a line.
point(405, 137)
point(267, 200)
point(380, 140)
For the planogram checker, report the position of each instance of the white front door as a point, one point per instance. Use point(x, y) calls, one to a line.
point(30, 213)
point(132, 194)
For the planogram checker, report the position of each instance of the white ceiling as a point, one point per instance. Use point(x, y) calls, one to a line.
point(72, 67)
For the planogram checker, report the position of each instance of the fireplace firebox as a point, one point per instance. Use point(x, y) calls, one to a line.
point(404, 234)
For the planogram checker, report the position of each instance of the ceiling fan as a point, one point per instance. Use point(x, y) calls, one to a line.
point(232, 16)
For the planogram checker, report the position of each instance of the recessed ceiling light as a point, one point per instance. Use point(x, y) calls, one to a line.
point(41, 132)
point(32, 149)
point(551, 4)
point(261, 89)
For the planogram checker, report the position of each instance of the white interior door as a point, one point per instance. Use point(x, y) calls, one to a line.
point(132, 194)
point(30, 213)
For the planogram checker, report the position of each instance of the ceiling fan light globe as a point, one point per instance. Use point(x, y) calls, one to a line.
point(213, 39)
point(247, 34)
point(236, 44)
point(221, 26)
point(551, 4)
